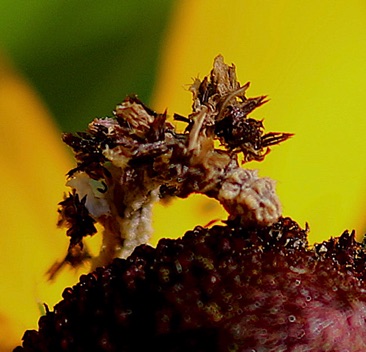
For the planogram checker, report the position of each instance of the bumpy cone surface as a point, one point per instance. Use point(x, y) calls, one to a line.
point(219, 289)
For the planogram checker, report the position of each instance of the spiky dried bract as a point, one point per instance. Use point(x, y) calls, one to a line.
point(226, 113)
point(126, 163)
point(76, 217)
point(227, 288)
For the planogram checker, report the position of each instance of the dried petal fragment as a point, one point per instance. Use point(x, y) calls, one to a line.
point(138, 156)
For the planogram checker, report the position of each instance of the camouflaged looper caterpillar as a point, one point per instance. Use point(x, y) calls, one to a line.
point(127, 162)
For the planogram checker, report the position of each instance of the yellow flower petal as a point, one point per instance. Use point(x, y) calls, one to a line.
point(33, 162)
point(310, 58)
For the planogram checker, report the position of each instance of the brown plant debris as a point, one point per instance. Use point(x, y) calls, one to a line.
point(127, 162)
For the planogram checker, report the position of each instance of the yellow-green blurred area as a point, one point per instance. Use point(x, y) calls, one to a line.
point(83, 57)
point(65, 62)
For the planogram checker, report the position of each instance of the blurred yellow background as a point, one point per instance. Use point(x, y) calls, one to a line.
point(308, 57)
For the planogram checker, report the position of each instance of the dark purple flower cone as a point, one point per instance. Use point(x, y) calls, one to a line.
point(219, 289)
